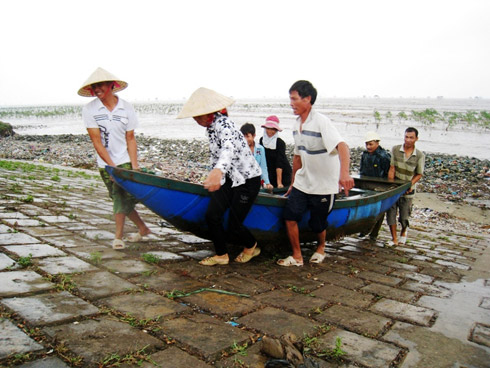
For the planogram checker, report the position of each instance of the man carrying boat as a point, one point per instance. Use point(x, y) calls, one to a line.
point(234, 181)
point(320, 166)
point(375, 162)
point(407, 163)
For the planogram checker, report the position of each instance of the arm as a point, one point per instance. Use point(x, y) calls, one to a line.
point(94, 134)
point(391, 173)
point(263, 165)
point(297, 164)
point(281, 161)
point(346, 181)
point(279, 177)
point(132, 149)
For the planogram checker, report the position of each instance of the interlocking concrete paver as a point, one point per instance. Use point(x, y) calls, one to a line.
point(341, 293)
point(96, 339)
point(23, 222)
point(377, 277)
point(35, 250)
point(5, 262)
point(14, 341)
point(335, 278)
point(360, 349)
point(145, 305)
point(404, 311)
point(50, 362)
point(22, 282)
point(96, 253)
point(222, 304)
point(46, 309)
point(68, 242)
point(276, 322)
point(337, 294)
point(240, 284)
point(68, 264)
point(165, 256)
point(292, 301)
point(127, 267)
point(428, 348)
point(17, 238)
point(387, 291)
point(171, 357)
point(100, 284)
point(204, 334)
point(356, 320)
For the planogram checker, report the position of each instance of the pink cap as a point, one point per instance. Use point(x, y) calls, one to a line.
point(272, 122)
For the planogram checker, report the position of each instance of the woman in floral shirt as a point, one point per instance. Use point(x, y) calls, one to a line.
point(234, 181)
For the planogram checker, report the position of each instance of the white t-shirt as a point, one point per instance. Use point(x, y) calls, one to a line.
point(316, 145)
point(113, 126)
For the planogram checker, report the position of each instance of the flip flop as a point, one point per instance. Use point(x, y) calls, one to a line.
point(403, 239)
point(118, 244)
point(317, 257)
point(212, 261)
point(289, 261)
point(244, 257)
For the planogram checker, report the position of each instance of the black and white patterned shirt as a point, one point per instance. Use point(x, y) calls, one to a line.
point(230, 152)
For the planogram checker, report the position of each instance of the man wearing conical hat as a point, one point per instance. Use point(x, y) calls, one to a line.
point(234, 181)
point(110, 123)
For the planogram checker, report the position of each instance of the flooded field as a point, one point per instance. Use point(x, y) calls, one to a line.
point(451, 126)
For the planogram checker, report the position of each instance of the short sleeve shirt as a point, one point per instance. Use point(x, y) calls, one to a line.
point(406, 168)
point(230, 151)
point(113, 126)
point(316, 145)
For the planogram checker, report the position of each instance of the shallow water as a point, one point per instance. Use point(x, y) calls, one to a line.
point(352, 117)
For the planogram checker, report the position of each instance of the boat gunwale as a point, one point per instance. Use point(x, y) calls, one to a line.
point(263, 198)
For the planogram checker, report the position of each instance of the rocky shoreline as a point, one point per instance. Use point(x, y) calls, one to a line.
point(452, 178)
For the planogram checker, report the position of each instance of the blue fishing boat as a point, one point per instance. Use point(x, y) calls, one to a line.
point(184, 205)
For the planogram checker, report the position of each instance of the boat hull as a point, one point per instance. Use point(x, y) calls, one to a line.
point(184, 205)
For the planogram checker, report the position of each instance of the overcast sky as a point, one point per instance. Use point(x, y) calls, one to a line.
point(246, 49)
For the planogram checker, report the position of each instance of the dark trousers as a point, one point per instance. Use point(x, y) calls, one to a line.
point(239, 200)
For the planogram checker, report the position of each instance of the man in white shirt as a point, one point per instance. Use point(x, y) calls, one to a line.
point(320, 165)
point(110, 123)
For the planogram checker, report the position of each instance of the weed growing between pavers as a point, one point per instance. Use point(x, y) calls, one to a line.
point(134, 358)
point(62, 282)
point(95, 257)
point(25, 261)
point(150, 258)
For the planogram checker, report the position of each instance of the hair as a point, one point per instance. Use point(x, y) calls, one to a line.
point(304, 89)
point(412, 130)
point(247, 128)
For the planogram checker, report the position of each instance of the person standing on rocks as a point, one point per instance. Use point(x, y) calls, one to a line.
point(278, 166)
point(375, 162)
point(320, 166)
point(110, 123)
point(233, 182)
point(407, 163)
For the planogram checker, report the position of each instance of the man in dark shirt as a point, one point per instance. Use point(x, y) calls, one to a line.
point(375, 161)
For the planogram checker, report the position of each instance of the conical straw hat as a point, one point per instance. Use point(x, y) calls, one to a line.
point(204, 101)
point(101, 75)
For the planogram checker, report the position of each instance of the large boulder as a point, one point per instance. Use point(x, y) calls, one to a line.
point(6, 129)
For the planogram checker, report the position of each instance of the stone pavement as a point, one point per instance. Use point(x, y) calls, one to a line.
point(68, 299)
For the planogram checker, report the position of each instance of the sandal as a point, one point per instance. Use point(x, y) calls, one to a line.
point(244, 257)
point(118, 244)
point(135, 237)
point(390, 243)
point(403, 239)
point(317, 257)
point(289, 261)
point(211, 261)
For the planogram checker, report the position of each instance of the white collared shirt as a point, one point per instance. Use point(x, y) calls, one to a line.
point(113, 126)
point(316, 143)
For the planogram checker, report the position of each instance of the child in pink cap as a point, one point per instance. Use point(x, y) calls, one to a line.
point(278, 166)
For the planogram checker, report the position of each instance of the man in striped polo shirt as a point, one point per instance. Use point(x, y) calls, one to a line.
point(407, 163)
point(320, 166)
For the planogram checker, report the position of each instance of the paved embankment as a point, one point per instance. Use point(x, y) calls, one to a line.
point(68, 299)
